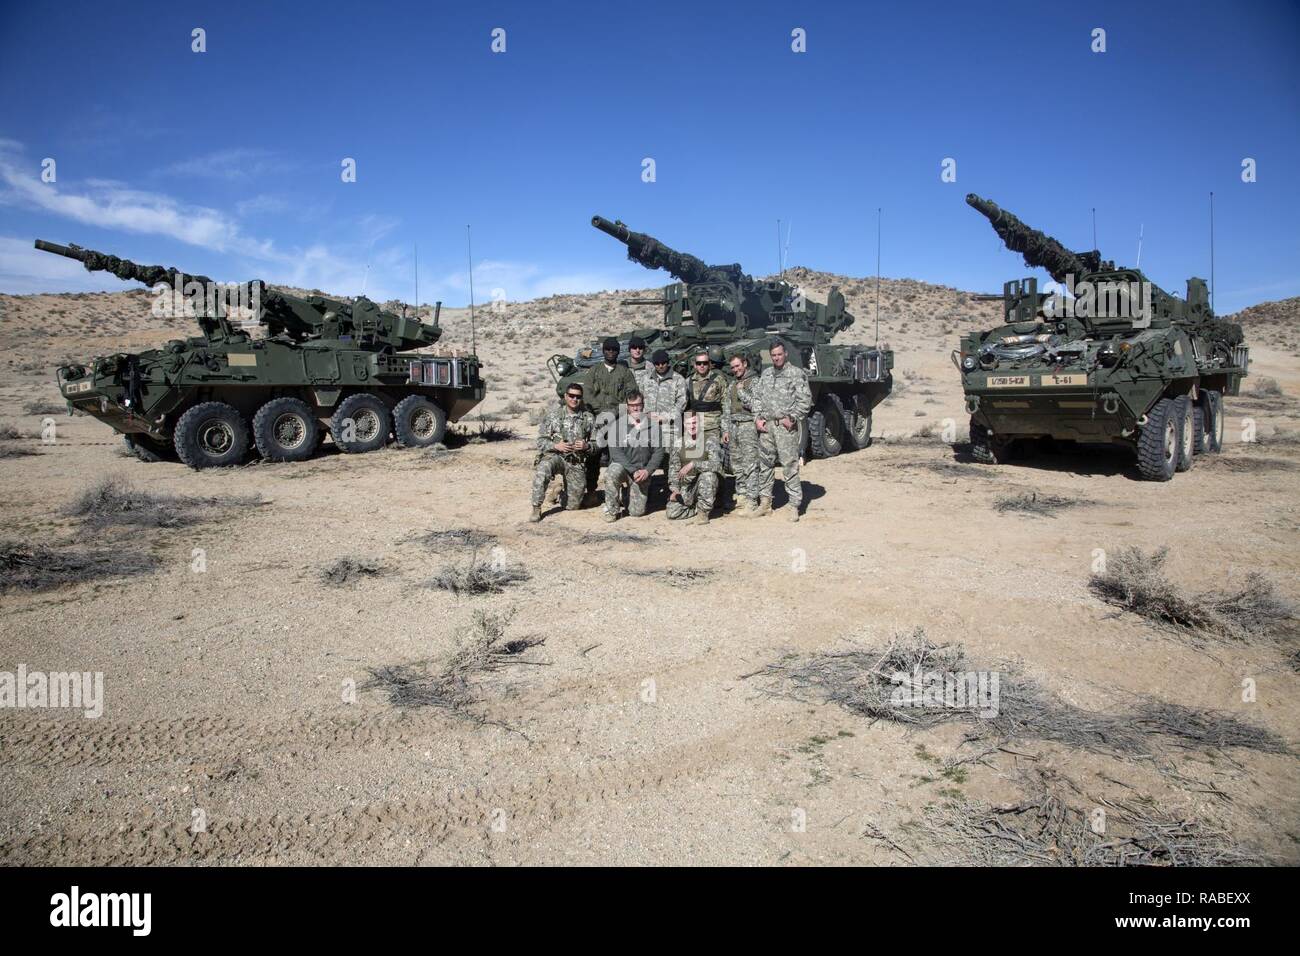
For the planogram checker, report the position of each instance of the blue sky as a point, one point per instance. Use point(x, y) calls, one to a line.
point(227, 162)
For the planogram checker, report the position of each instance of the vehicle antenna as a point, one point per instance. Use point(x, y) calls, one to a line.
point(878, 218)
point(469, 249)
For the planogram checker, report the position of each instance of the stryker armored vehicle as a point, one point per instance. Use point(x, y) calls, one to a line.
point(1116, 360)
point(723, 309)
point(322, 365)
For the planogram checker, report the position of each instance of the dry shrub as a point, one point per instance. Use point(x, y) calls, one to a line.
point(350, 570)
point(1032, 503)
point(474, 577)
point(112, 502)
point(26, 567)
point(1135, 581)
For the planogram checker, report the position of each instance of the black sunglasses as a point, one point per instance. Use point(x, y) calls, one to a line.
point(571, 395)
point(701, 361)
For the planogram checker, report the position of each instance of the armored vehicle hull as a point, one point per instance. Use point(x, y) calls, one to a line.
point(728, 312)
point(327, 367)
point(1120, 361)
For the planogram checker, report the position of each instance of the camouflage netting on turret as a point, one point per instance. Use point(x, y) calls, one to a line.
point(1040, 250)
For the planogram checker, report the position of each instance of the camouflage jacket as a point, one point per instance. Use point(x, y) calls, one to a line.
point(708, 391)
point(705, 451)
point(559, 424)
point(604, 389)
point(743, 393)
point(664, 396)
point(783, 393)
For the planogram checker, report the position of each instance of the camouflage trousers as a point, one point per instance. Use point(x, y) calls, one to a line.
point(574, 473)
point(777, 444)
point(744, 460)
point(697, 493)
point(616, 476)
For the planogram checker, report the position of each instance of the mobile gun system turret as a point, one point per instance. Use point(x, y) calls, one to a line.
point(1107, 357)
point(321, 366)
point(728, 312)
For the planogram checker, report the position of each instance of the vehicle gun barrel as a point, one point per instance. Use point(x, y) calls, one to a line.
point(653, 254)
point(1040, 251)
point(124, 269)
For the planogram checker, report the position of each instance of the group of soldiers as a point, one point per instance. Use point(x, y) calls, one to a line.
point(647, 417)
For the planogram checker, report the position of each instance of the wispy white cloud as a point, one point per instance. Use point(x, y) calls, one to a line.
point(230, 165)
point(25, 270)
point(111, 205)
point(527, 280)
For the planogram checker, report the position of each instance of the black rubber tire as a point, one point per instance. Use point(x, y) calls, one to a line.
point(1186, 433)
point(281, 419)
point(1214, 423)
point(371, 423)
point(418, 422)
point(148, 449)
point(211, 435)
point(857, 427)
point(826, 430)
point(1199, 444)
point(989, 450)
point(1157, 447)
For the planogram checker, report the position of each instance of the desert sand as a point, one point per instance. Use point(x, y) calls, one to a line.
point(641, 728)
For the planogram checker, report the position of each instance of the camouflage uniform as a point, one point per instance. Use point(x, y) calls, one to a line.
point(744, 437)
point(559, 424)
point(710, 399)
point(779, 395)
point(698, 490)
point(665, 398)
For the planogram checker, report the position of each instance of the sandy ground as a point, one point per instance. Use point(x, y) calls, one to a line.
point(637, 732)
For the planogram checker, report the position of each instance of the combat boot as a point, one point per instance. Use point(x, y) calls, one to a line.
point(794, 515)
point(610, 517)
point(743, 508)
point(537, 513)
point(700, 517)
point(764, 508)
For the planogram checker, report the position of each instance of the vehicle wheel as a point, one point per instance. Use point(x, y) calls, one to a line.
point(857, 426)
point(149, 449)
point(211, 435)
point(361, 423)
point(418, 422)
point(1186, 433)
point(1214, 422)
point(1157, 448)
point(826, 430)
point(988, 449)
point(1199, 443)
point(285, 429)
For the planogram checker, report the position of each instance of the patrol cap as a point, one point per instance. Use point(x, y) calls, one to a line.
point(636, 343)
point(660, 357)
point(609, 343)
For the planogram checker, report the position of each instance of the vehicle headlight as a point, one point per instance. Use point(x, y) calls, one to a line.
point(968, 363)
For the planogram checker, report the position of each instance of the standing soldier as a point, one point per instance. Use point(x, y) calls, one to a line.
point(784, 400)
point(607, 385)
point(665, 397)
point(634, 455)
point(744, 436)
point(636, 362)
point(694, 473)
point(563, 445)
point(708, 396)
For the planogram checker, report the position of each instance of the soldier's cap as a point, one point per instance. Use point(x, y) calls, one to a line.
point(636, 343)
point(609, 343)
point(660, 357)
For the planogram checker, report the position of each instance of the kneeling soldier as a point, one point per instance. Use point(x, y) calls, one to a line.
point(694, 472)
point(563, 443)
point(635, 453)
